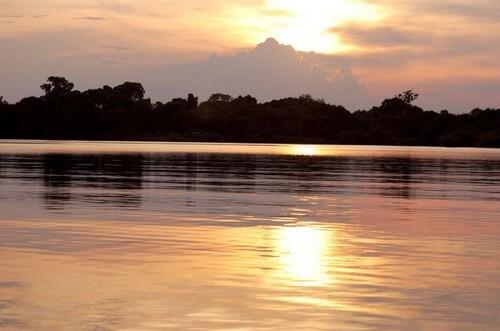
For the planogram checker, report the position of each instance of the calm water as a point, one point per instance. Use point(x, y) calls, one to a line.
point(152, 236)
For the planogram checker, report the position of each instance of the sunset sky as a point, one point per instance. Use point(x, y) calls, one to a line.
point(362, 50)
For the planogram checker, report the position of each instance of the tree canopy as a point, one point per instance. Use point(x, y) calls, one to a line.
point(220, 97)
point(57, 86)
point(408, 96)
point(123, 113)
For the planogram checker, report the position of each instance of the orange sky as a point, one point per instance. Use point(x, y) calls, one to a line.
point(447, 50)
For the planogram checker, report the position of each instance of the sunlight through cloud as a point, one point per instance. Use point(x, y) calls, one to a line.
point(306, 27)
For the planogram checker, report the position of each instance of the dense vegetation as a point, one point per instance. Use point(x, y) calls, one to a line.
point(122, 113)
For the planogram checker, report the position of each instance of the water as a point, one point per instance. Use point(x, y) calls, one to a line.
point(153, 236)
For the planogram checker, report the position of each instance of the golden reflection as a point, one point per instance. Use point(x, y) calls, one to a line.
point(303, 253)
point(305, 150)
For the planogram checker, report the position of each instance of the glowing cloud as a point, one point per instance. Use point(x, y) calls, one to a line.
point(306, 27)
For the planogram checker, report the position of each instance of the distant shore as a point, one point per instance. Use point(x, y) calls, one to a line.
point(123, 113)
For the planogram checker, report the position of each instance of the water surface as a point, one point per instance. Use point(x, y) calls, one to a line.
point(156, 236)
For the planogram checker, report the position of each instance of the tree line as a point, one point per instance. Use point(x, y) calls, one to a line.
point(123, 113)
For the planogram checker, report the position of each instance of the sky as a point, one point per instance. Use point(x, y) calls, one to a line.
point(351, 52)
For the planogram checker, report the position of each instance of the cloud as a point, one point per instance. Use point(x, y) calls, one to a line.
point(464, 9)
point(118, 48)
point(275, 12)
point(8, 18)
point(424, 44)
point(10, 284)
point(11, 16)
point(269, 71)
point(423, 31)
point(471, 10)
point(380, 36)
point(387, 42)
point(91, 18)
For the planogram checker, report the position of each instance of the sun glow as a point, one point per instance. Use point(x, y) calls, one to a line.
point(304, 150)
point(303, 251)
point(305, 24)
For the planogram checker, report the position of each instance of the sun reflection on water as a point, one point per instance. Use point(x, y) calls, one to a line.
point(305, 150)
point(303, 253)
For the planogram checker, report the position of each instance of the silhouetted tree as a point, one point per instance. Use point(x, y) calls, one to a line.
point(179, 103)
point(219, 97)
point(394, 105)
point(246, 100)
point(122, 113)
point(58, 86)
point(158, 105)
point(98, 98)
point(408, 96)
point(309, 98)
point(192, 101)
point(133, 91)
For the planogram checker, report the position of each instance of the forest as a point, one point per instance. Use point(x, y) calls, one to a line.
point(123, 113)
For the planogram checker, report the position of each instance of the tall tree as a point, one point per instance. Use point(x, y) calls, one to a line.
point(408, 97)
point(192, 101)
point(133, 91)
point(57, 86)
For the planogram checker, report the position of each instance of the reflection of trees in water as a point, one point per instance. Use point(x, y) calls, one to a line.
point(304, 175)
point(244, 173)
point(117, 180)
point(194, 172)
point(96, 179)
point(402, 176)
point(397, 176)
point(56, 180)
